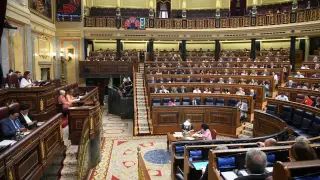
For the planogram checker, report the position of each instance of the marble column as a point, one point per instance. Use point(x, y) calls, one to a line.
point(253, 52)
point(183, 50)
point(293, 53)
point(217, 50)
point(118, 48)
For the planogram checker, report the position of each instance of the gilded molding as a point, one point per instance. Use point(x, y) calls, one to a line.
point(259, 32)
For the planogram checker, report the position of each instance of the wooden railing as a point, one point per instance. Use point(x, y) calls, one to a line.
point(142, 169)
point(29, 157)
point(303, 15)
point(83, 151)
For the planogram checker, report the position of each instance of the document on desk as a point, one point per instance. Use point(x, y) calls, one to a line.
point(177, 134)
point(5, 143)
point(243, 173)
point(229, 175)
point(269, 169)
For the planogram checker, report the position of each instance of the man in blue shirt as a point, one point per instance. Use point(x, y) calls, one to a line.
point(11, 125)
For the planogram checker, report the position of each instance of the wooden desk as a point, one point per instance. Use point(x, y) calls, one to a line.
point(233, 88)
point(293, 93)
point(265, 124)
point(29, 157)
point(103, 69)
point(77, 116)
point(236, 78)
point(171, 139)
point(180, 96)
point(41, 100)
point(279, 104)
point(225, 120)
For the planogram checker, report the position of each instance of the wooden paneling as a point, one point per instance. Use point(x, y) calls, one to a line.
point(266, 124)
point(28, 158)
point(224, 120)
point(96, 69)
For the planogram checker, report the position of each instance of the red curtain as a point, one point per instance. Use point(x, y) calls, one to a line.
point(3, 8)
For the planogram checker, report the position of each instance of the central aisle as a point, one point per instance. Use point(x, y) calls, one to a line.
point(119, 152)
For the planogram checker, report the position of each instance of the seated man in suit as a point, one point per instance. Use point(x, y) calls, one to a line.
point(256, 162)
point(25, 118)
point(11, 125)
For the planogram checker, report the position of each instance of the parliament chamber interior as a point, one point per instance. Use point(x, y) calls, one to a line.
point(160, 89)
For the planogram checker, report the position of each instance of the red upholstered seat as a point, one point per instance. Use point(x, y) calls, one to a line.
point(4, 112)
point(15, 107)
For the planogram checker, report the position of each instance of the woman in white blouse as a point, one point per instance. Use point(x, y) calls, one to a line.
point(26, 80)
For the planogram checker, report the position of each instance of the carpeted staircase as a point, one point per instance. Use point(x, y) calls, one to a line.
point(69, 170)
point(142, 118)
point(247, 131)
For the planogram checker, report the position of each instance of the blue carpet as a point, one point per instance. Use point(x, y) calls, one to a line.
point(158, 156)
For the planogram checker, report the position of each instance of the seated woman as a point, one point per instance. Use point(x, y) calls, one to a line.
point(206, 133)
point(26, 80)
point(70, 97)
point(64, 102)
point(25, 118)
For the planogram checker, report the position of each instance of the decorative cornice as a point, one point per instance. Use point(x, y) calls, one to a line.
point(18, 12)
point(260, 32)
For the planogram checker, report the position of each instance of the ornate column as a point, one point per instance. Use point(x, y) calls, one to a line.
point(118, 15)
point(150, 49)
point(293, 53)
point(118, 48)
point(253, 52)
point(217, 50)
point(183, 50)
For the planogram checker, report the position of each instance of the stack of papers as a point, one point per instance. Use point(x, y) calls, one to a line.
point(229, 175)
point(269, 169)
point(177, 134)
point(40, 123)
point(5, 143)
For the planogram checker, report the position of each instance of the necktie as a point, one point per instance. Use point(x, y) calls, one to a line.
point(15, 125)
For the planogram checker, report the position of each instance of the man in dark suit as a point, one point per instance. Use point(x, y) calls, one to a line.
point(11, 125)
point(25, 118)
point(256, 162)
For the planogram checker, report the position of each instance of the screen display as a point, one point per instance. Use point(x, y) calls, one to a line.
point(68, 10)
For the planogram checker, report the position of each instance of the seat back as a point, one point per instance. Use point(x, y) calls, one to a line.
point(286, 114)
point(232, 102)
point(220, 102)
point(15, 107)
point(271, 109)
point(4, 112)
point(299, 98)
point(156, 102)
point(209, 101)
point(186, 101)
point(165, 101)
point(306, 123)
point(297, 117)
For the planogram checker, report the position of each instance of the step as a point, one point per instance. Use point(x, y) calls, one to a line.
point(69, 173)
point(72, 150)
point(70, 161)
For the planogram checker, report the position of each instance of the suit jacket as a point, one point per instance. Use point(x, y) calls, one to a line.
point(24, 122)
point(7, 128)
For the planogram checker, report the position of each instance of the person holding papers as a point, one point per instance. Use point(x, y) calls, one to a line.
point(25, 118)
